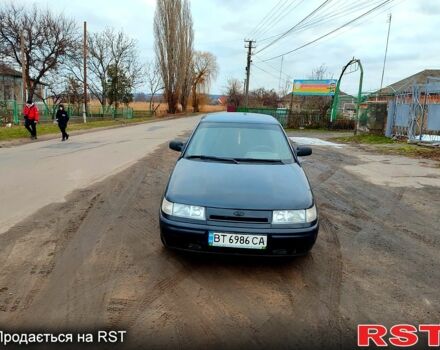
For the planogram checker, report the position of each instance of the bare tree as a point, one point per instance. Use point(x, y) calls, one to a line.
point(56, 87)
point(154, 83)
point(173, 32)
point(107, 49)
point(99, 60)
point(48, 40)
point(234, 92)
point(62, 88)
point(320, 73)
point(263, 98)
point(205, 69)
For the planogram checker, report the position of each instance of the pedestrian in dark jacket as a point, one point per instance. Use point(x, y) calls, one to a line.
point(62, 118)
point(31, 118)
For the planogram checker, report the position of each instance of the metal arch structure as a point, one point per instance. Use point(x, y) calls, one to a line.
point(359, 98)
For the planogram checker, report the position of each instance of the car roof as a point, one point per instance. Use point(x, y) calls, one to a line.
point(239, 117)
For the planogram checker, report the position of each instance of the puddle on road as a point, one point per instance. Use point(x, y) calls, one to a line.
point(312, 141)
point(396, 171)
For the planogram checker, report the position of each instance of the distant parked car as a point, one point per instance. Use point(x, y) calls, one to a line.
point(238, 188)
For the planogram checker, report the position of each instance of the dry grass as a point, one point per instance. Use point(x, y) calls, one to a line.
point(385, 145)
point(162, 110)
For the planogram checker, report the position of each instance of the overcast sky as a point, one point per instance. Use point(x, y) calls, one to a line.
point(220, 26)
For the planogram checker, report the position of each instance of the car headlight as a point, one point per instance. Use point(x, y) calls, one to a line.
point(183, 210)
point(294, 216)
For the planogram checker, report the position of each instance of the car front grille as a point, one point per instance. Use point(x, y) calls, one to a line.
point(239, 216)
point(238, 219)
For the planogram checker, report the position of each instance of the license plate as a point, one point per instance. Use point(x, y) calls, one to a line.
point(237, 240)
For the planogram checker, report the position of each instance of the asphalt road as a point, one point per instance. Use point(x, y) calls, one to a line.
point(96, 261)
point(39, 173)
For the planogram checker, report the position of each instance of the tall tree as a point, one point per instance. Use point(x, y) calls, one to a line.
point(186, 54)
point(205, 69)
point(173, 32)
point(48, 40)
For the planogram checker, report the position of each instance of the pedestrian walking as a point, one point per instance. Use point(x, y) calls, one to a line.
point(31, 118)
point(62, 119)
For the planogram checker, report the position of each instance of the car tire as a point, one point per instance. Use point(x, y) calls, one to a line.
point(163, 242)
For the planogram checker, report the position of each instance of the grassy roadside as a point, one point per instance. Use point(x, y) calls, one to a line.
point(365, 139)
point(19, 131)
point(307, 130)
point(386, 145)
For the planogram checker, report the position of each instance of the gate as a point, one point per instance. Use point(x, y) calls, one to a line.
point(415, 113)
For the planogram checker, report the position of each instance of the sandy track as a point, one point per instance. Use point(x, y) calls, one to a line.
point(96, 262)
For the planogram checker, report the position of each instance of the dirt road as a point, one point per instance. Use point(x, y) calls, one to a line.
point(96, 261)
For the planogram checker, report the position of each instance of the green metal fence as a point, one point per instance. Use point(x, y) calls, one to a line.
point(281, 114)
point(11, 111)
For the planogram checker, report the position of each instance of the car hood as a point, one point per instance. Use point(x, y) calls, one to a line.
point(239, 186)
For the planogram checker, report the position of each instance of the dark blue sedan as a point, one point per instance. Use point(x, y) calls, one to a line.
point(238, 188)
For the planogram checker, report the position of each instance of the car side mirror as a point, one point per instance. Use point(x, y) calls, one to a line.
point(177, 145)
point(303, 151)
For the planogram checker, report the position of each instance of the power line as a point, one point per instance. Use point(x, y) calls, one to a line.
point(275, 15)
point(268, 15)
point(271, 66)
point(385, 9)
point(332, 31)
point(296, 25)
point(265, 71)
point(285, 81)
point(280, 16)
point(328, 17)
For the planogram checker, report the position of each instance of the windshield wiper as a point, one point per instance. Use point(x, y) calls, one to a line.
point(219, 159)
point(259, 160)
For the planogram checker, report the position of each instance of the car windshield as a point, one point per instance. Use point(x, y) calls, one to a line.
point(243, 142)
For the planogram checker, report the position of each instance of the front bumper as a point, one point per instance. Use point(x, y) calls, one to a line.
point(194, 237)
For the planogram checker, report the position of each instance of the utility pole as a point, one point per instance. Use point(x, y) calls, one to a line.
point(291, 99)
point(386, 51)
point(23, 67)
point(249, 46)
point(281, 72)
point(85, 72)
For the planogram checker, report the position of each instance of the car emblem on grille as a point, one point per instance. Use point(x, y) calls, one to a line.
point(238, 213)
